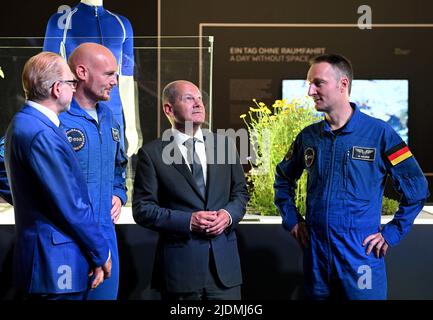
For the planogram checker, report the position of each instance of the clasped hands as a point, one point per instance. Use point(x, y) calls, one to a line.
point(213, 223)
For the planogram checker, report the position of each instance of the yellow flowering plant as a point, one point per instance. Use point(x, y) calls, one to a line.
point(271, 134)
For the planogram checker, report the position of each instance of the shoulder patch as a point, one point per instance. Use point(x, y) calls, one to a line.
point(398, 153)
point(77, 138)
point(116, 134)
point(309, 155)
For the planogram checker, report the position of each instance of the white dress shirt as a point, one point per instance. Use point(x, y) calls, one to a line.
point(180, 138)
point(49, 113)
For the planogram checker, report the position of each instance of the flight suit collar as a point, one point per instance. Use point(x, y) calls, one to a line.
point(76, 110)
point(349, 126)
point(95, 10)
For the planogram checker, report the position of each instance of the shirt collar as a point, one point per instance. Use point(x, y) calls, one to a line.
point(180, 137)
point(49, 113)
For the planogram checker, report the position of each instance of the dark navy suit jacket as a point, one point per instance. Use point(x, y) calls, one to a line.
point(165, 196)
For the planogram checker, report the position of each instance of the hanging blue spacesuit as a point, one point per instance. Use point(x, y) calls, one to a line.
point(86, 23)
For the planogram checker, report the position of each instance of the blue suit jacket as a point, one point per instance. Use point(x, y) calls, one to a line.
point(57, 238)
point(5, 192)
point(165, 196)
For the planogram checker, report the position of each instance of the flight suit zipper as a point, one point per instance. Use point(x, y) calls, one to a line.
point(346, 169)
point(99, 25)
point(328, 199)
point(98, 127)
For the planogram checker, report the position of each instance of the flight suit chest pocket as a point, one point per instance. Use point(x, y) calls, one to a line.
point(359, 173)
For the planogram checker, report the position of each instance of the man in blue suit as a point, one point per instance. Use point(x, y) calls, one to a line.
point(57, 239)
point(190, 187)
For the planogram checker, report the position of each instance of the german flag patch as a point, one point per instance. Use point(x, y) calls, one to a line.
point(398, 153)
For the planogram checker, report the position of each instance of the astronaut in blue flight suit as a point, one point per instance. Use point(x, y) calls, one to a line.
point(95, 136)
point(348, 157)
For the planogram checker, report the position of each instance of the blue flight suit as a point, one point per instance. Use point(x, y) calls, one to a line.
point(57, 238)
point(84, 23)
point(103, 162)
point(346, 178)
point(5, 191)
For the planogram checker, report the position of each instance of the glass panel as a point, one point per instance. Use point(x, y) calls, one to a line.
point(157, 61)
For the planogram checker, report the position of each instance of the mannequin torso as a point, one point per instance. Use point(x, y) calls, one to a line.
point(89, 21)
point(92, 2)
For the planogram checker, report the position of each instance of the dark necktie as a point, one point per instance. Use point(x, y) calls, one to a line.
point(195, 165)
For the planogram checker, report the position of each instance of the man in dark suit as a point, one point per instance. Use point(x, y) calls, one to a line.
point(190, 187)
point(57, 238)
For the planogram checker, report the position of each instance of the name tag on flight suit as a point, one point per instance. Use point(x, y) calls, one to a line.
point(363, 153)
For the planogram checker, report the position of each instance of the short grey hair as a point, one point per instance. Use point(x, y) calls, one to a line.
point(170, 93)
point(39, 74)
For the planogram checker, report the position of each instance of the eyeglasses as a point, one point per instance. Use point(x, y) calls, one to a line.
point(190, 99)
point(73, 83)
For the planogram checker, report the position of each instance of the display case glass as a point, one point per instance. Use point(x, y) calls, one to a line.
point(157, 61)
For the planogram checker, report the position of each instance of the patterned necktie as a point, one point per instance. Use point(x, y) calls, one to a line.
point(195, 165)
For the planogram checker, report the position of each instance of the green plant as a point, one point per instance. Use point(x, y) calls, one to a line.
point(271, 134)
point(389, 206)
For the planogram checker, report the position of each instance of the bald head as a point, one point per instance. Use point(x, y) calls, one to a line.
point(96, 68)
point(171, 90)
point(89, 54)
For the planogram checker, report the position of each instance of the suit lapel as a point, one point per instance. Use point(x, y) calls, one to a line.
point(182, 167)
